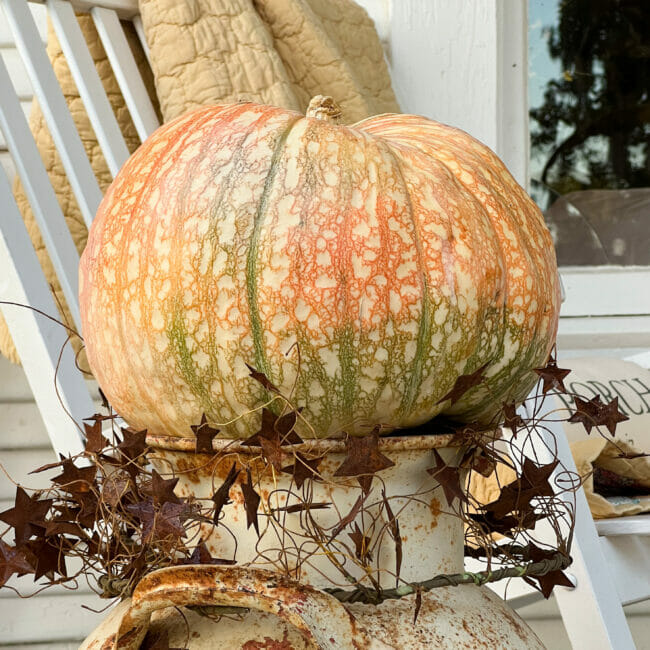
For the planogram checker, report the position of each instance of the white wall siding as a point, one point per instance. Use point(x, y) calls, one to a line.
point(55, 618)
point(40, 16)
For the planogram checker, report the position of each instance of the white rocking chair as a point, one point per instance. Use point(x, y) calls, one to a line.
point(611, 558)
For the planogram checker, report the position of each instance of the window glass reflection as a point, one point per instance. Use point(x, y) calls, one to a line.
point(589, 94)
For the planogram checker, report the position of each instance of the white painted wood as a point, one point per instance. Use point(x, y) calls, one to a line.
point(566, 355)
point(17, 73)
point(5, 504)
point(593, 598)
point(125, 9)
point(47, 212)
point(594, 332)
point(89, 84)
point(629, 558)
point(453, 62)
point(630, 525)
point(26, 106)
point(139, 30)
point(443, 59)
point(55, 110)
point(7, 165)
point(464, 63)
point(26, 585)
point(545, 620)
point(607, 291)
point(126, 71)
point(640, 358)
point(40, 18)
point(548, 609)
point(14, 388)
point(524, 598)
point(13, 383)
point(19, 464)
point(21, 427)
point(513, 139)
point(585, 294)
point(38, 340)
point(48, 618)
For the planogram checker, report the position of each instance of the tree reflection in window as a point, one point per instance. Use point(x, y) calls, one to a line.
point(591, 131)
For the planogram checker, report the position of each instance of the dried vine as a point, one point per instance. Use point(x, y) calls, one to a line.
point(119, 517)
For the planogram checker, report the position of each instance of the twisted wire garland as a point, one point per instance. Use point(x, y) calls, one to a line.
point(557, 562)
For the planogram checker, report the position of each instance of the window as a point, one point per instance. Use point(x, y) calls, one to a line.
point(589, 101)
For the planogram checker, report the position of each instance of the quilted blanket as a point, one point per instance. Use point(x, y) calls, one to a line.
point(279, 52)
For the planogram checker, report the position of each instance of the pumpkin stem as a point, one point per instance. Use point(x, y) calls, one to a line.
point(323, 107)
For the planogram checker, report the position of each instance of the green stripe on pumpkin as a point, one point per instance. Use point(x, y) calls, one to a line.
point(349, 386)
point(414, 380)
point(177, 336)
point(261, 362)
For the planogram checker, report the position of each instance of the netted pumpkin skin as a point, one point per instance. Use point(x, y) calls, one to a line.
point(362, 269)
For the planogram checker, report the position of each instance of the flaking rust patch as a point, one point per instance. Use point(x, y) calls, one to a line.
point(270, 644)
point(434, 507)
point(108, 644)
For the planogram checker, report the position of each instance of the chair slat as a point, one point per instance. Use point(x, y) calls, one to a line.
point(40, 194)
point(54, 107)
point(139, 29)
point(89, 84)
point(592, 598)
point(632, 553)
point(625, 526)
point(39, 341)
point(126, 71)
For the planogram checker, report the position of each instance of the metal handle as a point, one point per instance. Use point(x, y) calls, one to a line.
point(319, 616)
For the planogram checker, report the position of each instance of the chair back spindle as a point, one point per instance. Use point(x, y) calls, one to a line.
point(59, 389)
point(55, 110)
point(89, 84)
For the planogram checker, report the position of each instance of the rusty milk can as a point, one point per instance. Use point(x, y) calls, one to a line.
point(327, 534)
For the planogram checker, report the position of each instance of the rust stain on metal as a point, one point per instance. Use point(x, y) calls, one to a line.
point(186, 467)
point(435, 509)
point(126, 638)
point(269, 643)
point(520, 630)
point(108, 644)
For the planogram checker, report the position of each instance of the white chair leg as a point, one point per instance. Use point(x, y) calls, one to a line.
point(592, 612)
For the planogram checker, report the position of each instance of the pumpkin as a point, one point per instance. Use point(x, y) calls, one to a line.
point(362, 269)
